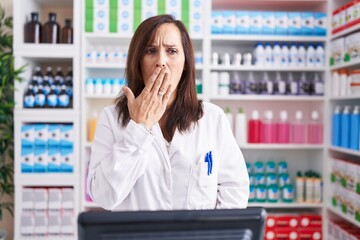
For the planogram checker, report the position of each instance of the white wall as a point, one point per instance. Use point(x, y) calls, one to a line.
point(8, 222)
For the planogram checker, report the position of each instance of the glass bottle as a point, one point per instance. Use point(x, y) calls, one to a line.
point(32, 29)
point(51, 32)
point(67, 32)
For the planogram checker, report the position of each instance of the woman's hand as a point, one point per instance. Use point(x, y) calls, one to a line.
point(150, 105)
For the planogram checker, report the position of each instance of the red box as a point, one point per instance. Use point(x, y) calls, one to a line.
point(287, 233)
point(310, 234)
point(270, 234)
point(312, 221)
point(289, 221)
point(270, 222)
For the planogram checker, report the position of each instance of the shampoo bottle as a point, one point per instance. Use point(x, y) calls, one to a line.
point(255, 125)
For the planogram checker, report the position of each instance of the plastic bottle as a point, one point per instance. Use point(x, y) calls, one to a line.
point(230, 118)
point(304, 85)
point(309, 187)
point(58, 80)
point(252, 86)
point(49, 76)
point(69, 82)
point(51, 33)
point(277, 55)
point(280, 84)
point(224, 84)
point(259, 55)
point(33, 29)
point(317, 184)
point(299, 129)
point(318, 85)
point(268, 55)
point(39, 98)
point(52, 99)
point(336, 127)
point(310, 56)
point(343, 82)
point(283, 128)
point(294, 56)
point(64, 99)
point(236, 84)
point(67, 32)
point(29, 97)
point(345, 127)
point(92, 126)
point(293, 84)
point(267, 84)
point(355, 128)
point(302, 55)
point(285, 55)
point(320, 55)
point(315, 129)
point(300, 184)
point(268, 128)
point(241, 128)
point(335, 78)
point(37, 78)
point(255, 125)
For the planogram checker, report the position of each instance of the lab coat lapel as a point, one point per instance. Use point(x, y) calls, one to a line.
point(160, 141)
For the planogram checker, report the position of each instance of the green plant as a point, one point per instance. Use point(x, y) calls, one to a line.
point(8, 74)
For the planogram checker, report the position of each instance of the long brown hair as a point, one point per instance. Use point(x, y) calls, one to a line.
point(186, 109)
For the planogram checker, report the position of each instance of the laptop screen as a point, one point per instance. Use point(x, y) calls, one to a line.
point(224, 224)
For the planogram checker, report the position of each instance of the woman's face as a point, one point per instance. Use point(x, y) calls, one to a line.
point(165, 51)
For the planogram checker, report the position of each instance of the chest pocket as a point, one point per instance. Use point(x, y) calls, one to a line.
point(202, 190)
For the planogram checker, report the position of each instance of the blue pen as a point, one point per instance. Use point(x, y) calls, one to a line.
point(210, 161)
point(207, 160)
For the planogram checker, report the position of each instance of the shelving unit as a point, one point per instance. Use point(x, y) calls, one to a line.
point(333, 151)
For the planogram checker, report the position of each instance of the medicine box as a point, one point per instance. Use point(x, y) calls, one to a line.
point(67, 135)
point(67, 223)
point(242, 22)
point(229, 22)
point(256, 23)
point(217, 22)
point(54, 159)
point(55, 199)
point(281, 23)
point(40, 223)
point(40, 199)
point(40, 159)
point(307, 23)
point(67, 159)
point(294, 23)
point(27, 159)
point(67, 202)
point(27, 135)
point(27, 199)
point(54, 223)
point(53, 135)
point(320, 24)
point(268, 23)
point(41, 135)
point(27, 224)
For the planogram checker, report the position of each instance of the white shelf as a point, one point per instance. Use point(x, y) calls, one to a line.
point(240, 97)
point(282, 205)
point(340, 98)
point(345, 150)
point(104, 97)
point(46, 179)
point(267, 38)
point(346, 65)
point(343, 216)
point(283, 146)
point(46, 115)
point(87, 144)
point(116, 36)
point(45, 51)
point(345, 31)
point(270, 68)
point(105, 65)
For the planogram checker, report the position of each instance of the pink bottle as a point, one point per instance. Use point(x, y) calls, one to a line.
point(268, 128)
point(254, 133)
point(283, 128)
point(315, 129)
point(299, 129)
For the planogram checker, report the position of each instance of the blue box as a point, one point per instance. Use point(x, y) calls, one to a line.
point(320, 24)
point(40, 159)
point(281, 23)
point(54, 135)
point(54, 159)
point(229, 19)
point(268, 23)
point(307, 23)
point(294, 23)
point(242, 22)
point(67, 136)
point(27, 159)
point(41, 136)
point(27, 135)
point(217, 22)
point(67, 159)
point(256, 24)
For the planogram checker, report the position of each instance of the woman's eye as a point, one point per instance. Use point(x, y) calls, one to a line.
point(172, 51)
point(150, 51)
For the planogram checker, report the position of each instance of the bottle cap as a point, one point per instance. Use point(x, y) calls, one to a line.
point(314, 115)
point(240, 110)
point(298, 115)
point(346, 110)
point(283, 116)
point(37, 69)
point(356, 110)
point(269, 115)
point(255, 115)
point(227, 110)
point(337, 109)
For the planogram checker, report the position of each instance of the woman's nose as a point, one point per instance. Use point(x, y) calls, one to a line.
point(161, 60)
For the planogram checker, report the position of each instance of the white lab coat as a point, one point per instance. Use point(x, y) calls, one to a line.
point(132, 169)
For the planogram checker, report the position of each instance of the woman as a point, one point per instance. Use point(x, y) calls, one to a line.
point(159, 147)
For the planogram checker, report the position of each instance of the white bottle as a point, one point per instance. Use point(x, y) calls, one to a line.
point(310, 56)
point(224, 84)
point(335, 78)
point(294, 55)
point(230, 118)
point(343, 82)
point(320, 56)
point(319, 85)
point(268, 55)
point(241, 128)
point(281, 84)
point(284, 55)
point(302, 55)
point(294, 85)
point(259, 54)
point(214, 83)
point(277, 55)
point(268, 83)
